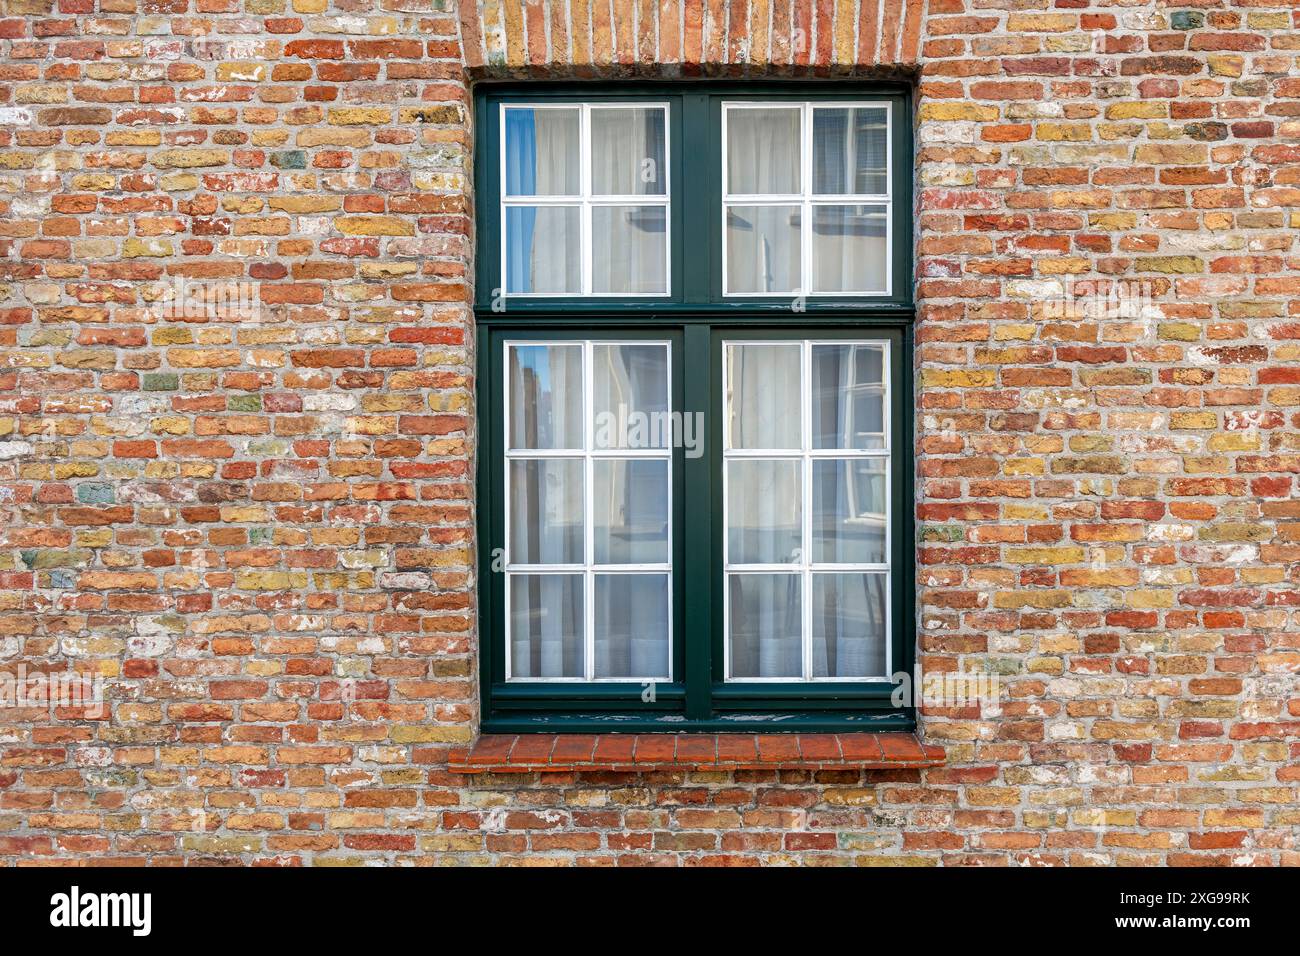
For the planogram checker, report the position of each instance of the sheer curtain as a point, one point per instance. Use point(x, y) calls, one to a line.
point(764, 523)
point(627, 159)
point(763, 151)
point(631, 609)
point(763, 253)
point(849, 248)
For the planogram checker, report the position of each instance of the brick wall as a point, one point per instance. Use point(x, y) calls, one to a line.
point(256, 525)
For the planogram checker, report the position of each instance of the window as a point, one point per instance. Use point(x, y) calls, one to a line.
point(695, 323)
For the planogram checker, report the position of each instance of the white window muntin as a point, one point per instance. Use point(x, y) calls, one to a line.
point(805, 567)
point(585, 200)
point(588, 454)
point(806, 199)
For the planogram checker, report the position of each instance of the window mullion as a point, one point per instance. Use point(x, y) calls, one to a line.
point(805, 531)
point(589, 513)
point(700, 493)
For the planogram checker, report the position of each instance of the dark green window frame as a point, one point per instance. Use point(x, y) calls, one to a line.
point(695, 319)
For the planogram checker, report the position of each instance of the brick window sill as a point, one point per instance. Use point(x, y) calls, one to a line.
point(643, 753)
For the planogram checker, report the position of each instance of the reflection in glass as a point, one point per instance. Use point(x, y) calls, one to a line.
point(764, 511)
point(848, 625)
point(848, 396)
point(849, 511)
point(630, 498)
point(850, 151)
point(543, 250)
point(850, 249)
point(631, 625)
point(546, 511)
point(631, 396)
point(629, 250)
point(763, 249)
point(545, 401)
point(541, 153)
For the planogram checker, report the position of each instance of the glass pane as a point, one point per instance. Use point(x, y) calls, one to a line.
point(631, 625)
point(764, 511)
point(542, 152)
point(630, 523)
point(850, 248)
point(546, 638)
point(763, 249)
point(848, 396)
point(631, 396)
point(627, 152)
point(850, 151)
point(763, 151)
point(764, 624)
point(629, 250)
point(848, 625)
point(763, 403)
point(849, 511)
point(545, 396)
point(546, 511)
point(543, 250)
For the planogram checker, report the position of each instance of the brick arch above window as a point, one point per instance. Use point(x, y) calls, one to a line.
point(702, 37)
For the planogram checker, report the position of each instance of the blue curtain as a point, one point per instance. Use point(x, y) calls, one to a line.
point(521, 180)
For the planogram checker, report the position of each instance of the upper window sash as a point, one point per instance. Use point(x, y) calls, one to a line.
point(787, 230)
point(572, 231)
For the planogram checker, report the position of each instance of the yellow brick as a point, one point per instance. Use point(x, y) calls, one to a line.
point(1068, 555)
point(1141, 109)
point(1182, 265)
point(189, 158)
point(1178, 154)
point(1064, 132)
point(1041, 22)
point(1234, 441)
point(959, 378)
point(374, 226)
point(1179, 331)
point(945, 112)
point(241, 72)
point(360, 116)
point(1226, 64)
point(1196, 420)
point(136, 248)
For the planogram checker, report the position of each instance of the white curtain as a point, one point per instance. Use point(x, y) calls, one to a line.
point(631, 495)
point(763, 250)
point(762, 151)
point(555, 247)
point(628, 242)
point(546, 625)
point(849, 246)
point(764, 517)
